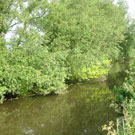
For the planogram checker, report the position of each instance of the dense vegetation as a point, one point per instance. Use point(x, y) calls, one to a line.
point(56, 41)
point(125, 93)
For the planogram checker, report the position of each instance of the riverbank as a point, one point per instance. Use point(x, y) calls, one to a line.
point(124, 100)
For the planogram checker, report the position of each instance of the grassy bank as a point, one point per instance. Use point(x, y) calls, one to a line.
point(125, 104)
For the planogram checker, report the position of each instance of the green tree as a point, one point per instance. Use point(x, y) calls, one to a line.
point(58, 40)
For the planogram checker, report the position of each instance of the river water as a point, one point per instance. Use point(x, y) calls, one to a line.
point(81, 111)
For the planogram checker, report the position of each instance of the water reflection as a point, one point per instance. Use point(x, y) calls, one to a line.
point(28, 131)
point(117, 73)
point(81, 111)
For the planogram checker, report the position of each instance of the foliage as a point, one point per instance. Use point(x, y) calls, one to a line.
point(32, 70)
point(125, 97)
point(126, 124)
point(95, 70)
point(109, 128)
point(127, 90)
point(53, 41)
point(126, 47)
point(5, 19)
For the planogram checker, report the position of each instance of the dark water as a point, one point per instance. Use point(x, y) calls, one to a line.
point(81, 111)
point(117, 74)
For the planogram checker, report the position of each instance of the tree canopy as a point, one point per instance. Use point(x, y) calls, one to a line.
point(58, 40)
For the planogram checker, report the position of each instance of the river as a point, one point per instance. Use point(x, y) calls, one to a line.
point(83, 110)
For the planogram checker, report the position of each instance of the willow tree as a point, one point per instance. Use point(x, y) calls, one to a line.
point(90, 30)
point(2, 16)
point(6, 18)
point(86, 31)
point(54, 40)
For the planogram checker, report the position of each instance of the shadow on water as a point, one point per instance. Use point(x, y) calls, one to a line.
point(81, 111)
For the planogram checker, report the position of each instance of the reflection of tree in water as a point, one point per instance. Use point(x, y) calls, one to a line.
point(36, 116)
point(91, 109)
point(117, 73)
point(81, 111)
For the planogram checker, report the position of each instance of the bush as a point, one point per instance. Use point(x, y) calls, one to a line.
point(126, 124)
point(94, 70)
point(125, 97)
point(32, 70)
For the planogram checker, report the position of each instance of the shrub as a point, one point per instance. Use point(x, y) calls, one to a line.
point(94, 70)
point(32, 70)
